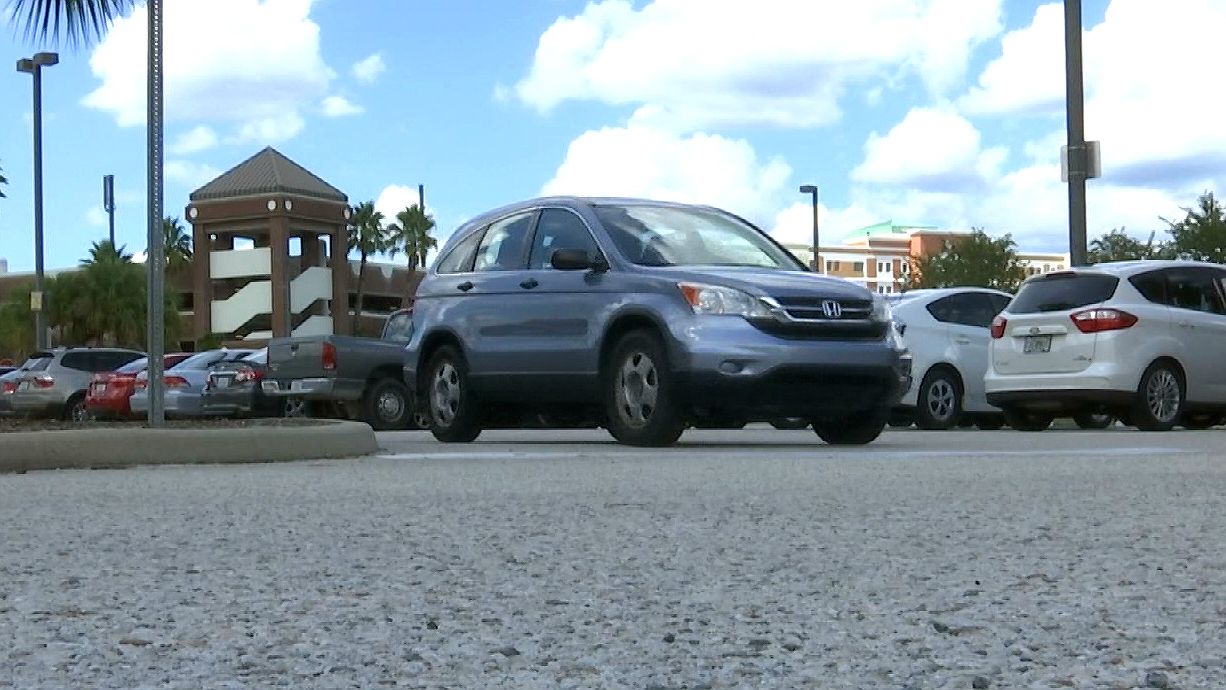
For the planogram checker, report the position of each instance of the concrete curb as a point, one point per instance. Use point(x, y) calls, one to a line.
point(21, 451)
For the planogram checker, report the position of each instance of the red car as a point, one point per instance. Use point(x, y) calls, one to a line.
point(108, 394)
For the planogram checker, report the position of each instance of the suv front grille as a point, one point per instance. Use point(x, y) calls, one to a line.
point(812, 308)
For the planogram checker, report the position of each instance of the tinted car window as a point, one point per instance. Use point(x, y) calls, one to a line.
point(967, 309)
point(80, 361)
point(1152, 286)
point(1194, 289)
point(502, 248)
point(399, 327)
point(559, 229)
point(110, 361)
point(999, 302)
point(1063, 291)
point(460, 258)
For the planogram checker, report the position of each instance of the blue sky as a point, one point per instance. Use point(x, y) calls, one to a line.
point(947, 112)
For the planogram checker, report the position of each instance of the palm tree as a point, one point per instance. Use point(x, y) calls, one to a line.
point(411, 234)
point(178, 244)
point(73, 21)
point(368, 236)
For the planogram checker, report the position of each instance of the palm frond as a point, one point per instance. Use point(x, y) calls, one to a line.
point(66, 22)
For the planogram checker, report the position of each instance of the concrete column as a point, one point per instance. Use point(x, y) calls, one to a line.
point(278, 241)
point(202, 281)
point(338, 261)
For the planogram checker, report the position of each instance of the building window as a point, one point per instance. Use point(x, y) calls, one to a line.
point(858, 267)
point(1046, 268)
point(829, 265)
point(883, 267)
point(906, 268)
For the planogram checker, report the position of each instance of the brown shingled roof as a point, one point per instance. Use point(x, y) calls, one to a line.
point(268, 172)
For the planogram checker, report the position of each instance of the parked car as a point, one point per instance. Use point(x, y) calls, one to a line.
point(54, 382)
point(650, 314)
point(360, 374)
point(1141, 340)
point(233, 389)
point(184, 383)
point(109, 393)
point(8, 386)
point(946, 331)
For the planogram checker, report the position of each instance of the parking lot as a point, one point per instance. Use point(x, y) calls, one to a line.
point(530, 559)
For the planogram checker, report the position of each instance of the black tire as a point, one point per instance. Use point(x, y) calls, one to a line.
point(455, 412)
point(75, 410)
point(1094, 420)
point(387, 405)
point(990, 422)
point(790, 423)
point(295, 408)
point(1160, 397)
point(1024, 420)
point(938, 405)
point(852, 430)
point(640, 393)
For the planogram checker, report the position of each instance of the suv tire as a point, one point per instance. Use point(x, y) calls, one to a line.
point(640, 393)
point(387, 405)
point(939, 405)
point(1024, 420)
point(1160, 396)
point(852, 430)
point(455, 413)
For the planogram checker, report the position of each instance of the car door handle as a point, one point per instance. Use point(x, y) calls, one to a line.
point(465, 286)
point(529, 284)
point(962, 341)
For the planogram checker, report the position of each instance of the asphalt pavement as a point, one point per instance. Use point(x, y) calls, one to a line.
point(540, 559)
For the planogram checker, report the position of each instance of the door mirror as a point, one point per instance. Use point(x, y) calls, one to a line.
point(577, 260)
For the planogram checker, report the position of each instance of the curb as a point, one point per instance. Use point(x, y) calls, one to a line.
point(22, 451)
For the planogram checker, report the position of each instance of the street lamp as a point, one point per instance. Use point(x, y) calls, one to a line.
point(812, 189)
point(34, 66)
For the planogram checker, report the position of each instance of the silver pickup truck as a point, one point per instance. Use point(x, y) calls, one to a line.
point(361, 376)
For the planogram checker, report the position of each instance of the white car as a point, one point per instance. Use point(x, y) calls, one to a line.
point(1141, 339)
point(946, 331)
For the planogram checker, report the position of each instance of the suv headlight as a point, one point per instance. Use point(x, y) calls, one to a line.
point(723, 301)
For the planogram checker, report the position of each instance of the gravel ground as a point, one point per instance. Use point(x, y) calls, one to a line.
point(839, 571)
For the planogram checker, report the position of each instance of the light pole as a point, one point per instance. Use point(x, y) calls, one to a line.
point(108, 204)
point(812, 189)
point(34, 67)
point(1078, 164)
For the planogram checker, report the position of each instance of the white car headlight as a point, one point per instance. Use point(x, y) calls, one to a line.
point(881, 309)
point(723, 301)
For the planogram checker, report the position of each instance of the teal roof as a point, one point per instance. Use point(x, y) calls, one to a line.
point(889, 227)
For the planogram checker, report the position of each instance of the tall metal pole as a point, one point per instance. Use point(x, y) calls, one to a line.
point(40, 316)
point(1077, 159)
point(812, 190)
point(156, 260)
point(108, 204)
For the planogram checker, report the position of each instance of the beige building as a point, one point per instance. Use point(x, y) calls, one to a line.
point(879, 256)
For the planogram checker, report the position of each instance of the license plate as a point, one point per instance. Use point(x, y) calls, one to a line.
point(1036, 344)
point(23, 386)
point(222, 381)
point(99, 388)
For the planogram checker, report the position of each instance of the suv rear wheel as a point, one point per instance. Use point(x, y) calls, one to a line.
point(1159, 401)
point(455, 413)
point(640, 393)
point(852, 430)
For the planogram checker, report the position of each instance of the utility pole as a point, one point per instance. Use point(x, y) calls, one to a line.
point(155, 262)
point(108, 204)
point(1077, 158)
point(38, 303)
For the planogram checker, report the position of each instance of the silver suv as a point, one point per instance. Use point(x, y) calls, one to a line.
point(54, 382)
point(651, 317)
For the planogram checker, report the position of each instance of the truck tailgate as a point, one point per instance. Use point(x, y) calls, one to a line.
point(296, 358)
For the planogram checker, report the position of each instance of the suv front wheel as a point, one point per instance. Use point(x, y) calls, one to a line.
point(640, 393)
point(455, 414)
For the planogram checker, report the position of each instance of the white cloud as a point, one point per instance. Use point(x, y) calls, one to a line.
point(96, 217)
point(369, 69)
point(339, 106)
point(687, 64)
point(248, 63)
point(395, 198)
point(269, 130)
point(200, 138)
point(189, 174)
point(1028, 77)
point(699, 168)
point(932, 149)
point(794, 224)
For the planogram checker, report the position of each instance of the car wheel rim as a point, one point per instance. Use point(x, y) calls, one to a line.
point(390, 406)
point(80, 414)
point(445, 393)
point(941, 399)
point(638, 387)
point(1162, 396)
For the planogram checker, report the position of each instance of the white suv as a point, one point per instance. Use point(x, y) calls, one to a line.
point(1142, 340)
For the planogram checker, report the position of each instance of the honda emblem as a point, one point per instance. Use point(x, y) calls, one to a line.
point(832, 309)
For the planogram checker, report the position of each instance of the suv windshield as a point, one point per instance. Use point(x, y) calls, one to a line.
point(1063, 291)
point(672, 236)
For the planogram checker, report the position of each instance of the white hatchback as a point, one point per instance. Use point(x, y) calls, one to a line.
point(1142, 340)
point(946, 330)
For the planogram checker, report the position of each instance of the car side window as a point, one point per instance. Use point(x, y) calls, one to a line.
point(460, 258)
point(966, 309)
point(504, 244)
point(1194, 289)
point(999, 302)
point(559, 229)
point(1151, 285)
point(79, 361)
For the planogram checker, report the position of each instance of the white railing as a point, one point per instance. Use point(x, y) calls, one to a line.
point(253, 299)
point(310, 286)
point(240, 263)
point(315, 325)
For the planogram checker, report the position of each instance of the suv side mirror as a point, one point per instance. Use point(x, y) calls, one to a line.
point(577, 260)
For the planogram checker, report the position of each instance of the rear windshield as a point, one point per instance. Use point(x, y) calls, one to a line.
point(136, 366)
point(202, 360)
point(1063, 291)
point(39, 361)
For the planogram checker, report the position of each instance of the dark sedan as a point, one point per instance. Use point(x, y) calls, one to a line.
point(233, 389)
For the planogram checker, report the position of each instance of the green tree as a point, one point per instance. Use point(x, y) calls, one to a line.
point(1201, 235)
point(1118, 245)
point(71, 21)
point(178, 244)
point(17, 324)
point(367, 236)
point(411, 234)
point(974, 260)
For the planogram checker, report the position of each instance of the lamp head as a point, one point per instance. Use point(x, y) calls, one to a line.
point(25, 65)
point(46, 59)
point(808, 189)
